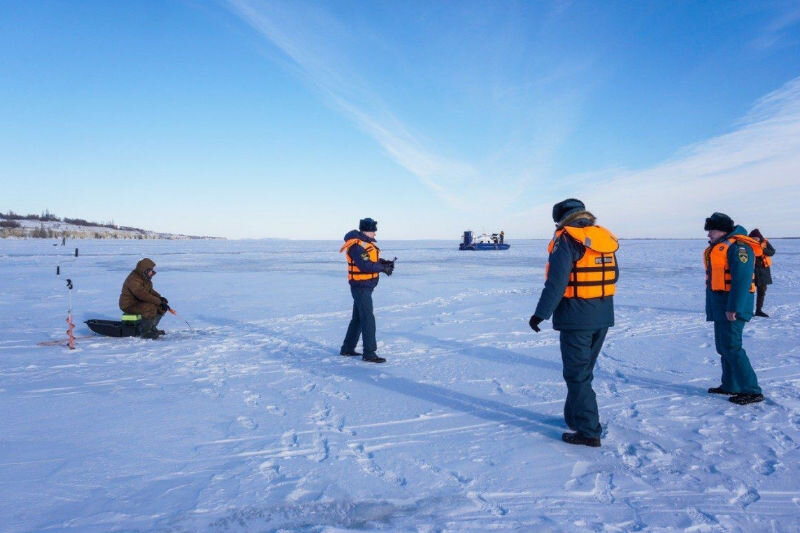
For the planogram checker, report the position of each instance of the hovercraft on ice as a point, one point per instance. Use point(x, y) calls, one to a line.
point(484, 241)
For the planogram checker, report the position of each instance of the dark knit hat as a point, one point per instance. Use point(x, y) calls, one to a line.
point(565, 208)
point(367, 224)
point(719, 221)
point(756, 234)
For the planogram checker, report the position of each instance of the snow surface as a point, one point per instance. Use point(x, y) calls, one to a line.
point(253, 422)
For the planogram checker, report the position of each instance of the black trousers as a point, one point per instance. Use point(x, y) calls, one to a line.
point(761, 291)
point(579, 351)
point(362, 323)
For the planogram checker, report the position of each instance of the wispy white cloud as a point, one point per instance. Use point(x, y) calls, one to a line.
point(752, 173)
point(775, 32)
point(323, 47)
point(312, 40)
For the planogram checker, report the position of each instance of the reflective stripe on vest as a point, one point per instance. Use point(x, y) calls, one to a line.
point(715, 259)
point(353, 273)
point(765, 259)
point(595, 274)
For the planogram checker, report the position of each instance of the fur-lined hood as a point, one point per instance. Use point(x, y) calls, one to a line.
point(585, 218)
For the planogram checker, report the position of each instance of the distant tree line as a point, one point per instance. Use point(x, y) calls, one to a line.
point(11, 217)
point(10, 227)
point(46, 216)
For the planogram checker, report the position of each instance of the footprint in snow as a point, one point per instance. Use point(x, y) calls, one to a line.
point(247, 422)
point(603, 486)
point(322, 450)
point(485, 505)
point(368, 465)
point(289, 439)
point(699, 517)
point(251, 398)
point(765, 467)
point(745, 496)
point(269, 470)
point(275, 410)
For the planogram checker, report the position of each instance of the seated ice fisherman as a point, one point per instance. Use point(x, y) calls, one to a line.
point(138, 297)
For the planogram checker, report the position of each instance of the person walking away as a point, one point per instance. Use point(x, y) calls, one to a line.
point(581, 277)
point(763, 271)
point(138, 297)
point(729, 261)
point(364, 265)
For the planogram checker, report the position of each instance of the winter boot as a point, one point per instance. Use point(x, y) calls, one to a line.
point(348, 353)
point(372, 358)
point(720, 390)
point(149, 330)
point(745, 398)
point(761, 313)
point(577, 438)
point(155, 325)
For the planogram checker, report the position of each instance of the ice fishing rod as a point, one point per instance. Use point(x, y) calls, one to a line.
point(70, 286)
point(171, 310)
point(70, 324)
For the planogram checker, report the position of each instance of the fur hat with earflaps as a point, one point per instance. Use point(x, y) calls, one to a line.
point(367, 224)
point(569, 210)
point(720, 222)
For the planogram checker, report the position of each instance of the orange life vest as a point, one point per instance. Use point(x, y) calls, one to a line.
point(715, 259)
point(765, 259)
point(373, 253)
point(595, 274)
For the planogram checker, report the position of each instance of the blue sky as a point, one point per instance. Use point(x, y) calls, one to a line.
point(248, 118)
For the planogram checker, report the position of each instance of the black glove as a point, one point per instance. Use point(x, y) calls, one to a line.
point(163, 305)
point(388, 267)
point(385, 261)
point(534, 323)
point(164, 300)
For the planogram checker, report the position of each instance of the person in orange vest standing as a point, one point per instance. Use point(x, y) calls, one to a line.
point(364, 265)
point(763, 271)
point(729, 261)
point(581, 277)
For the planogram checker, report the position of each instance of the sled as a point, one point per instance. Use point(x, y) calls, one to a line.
point(129, 326)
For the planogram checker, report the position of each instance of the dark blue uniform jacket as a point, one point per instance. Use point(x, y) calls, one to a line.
point(571, 313)
point(739, 299)
point(358, 254)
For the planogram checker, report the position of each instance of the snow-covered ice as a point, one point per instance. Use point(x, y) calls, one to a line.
point(253, 422)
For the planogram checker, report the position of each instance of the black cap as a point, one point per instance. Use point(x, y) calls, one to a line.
point(367, 224)
point(719, 221)
point(566, 207)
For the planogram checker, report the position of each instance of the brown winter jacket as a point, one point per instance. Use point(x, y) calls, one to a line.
point(138, 296)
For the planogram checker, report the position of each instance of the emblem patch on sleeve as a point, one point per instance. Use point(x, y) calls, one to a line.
point(743, 254)
point(365, 256)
